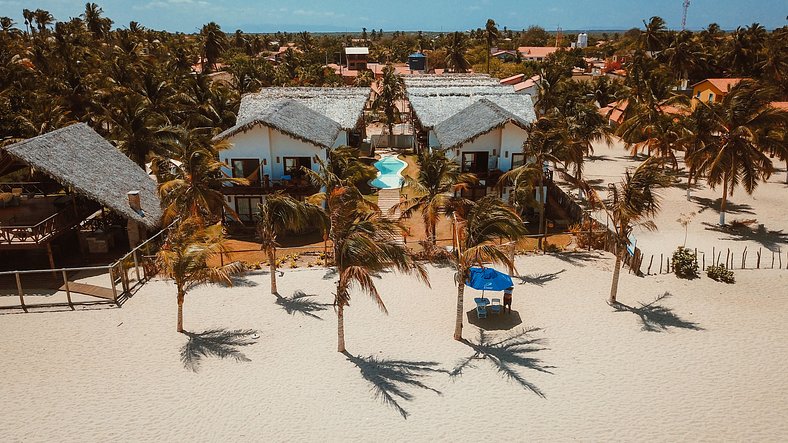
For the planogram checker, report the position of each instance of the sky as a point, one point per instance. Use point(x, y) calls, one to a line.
point(411, 15)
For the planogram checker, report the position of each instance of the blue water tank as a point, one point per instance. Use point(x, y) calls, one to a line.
point(417, 62)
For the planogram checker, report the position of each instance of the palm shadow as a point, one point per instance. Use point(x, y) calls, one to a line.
point(507, 355)
point(330, 273)
point(392, 379)
point(220, 343)
point(539, 279)
point(302, 303)
point(769, 239)
point(576, 258)
point(730, 207)
point(656, 317)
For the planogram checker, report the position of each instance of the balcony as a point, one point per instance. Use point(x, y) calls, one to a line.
point(294, 187)
point(31, 222)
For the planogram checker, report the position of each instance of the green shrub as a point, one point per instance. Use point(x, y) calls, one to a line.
point(720, 273)
point(685, 263)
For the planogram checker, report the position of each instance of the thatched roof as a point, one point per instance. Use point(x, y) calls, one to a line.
point(77, 157)
point(474, 121)
point(343, 105)
point(292, 118)
point(431, 110)
point(433, 80)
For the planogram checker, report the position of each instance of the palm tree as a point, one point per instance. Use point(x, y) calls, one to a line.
point(96, 24)
point(280, 213)
point(392, 88)
point(652, 130)
point(745, 127)
point(632, 203)
point(364, 78)
point(652, 39)
point(547, 142)
point(455, 52)
point(214, 43)
point(491, 36)
point(185, 258)
point(135, 128)
point(365, 244)
point(479, 229)
point(191, 178)
point(585, 126)
point(697, 130)
point(438, 180)
point(43, 18)
point(342, 168)
point(682, 55)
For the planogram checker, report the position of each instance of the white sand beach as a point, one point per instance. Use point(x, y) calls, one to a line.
point(706, 363)
point(768, 206)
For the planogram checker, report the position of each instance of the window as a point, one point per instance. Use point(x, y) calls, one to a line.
point(293, 165)
point(517, 160)
point(475, 162)
point(711, 97)
point(248, 168)
point(246, 208)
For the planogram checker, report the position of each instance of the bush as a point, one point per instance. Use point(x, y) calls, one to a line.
point(582, 237)
point(685, 263)
point(720, 273)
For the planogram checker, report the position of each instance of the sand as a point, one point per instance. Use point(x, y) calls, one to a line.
point(709, 366)
point(768, 205)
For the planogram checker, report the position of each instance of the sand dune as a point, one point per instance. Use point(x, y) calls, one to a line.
point(705, 363)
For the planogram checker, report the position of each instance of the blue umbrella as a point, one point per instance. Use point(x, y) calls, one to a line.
point(488, 279)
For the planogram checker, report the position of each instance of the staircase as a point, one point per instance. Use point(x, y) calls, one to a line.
point(387, 199)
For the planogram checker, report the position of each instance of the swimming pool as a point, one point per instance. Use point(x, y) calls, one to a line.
point(389, 176)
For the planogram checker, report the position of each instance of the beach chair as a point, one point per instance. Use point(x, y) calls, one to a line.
point(495, 307)
point(481, 312)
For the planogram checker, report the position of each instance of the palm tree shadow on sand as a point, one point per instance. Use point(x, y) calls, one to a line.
point(656, 317)
point(507, 354)
point(391, 379)
point(303, 304)
point(220, 343)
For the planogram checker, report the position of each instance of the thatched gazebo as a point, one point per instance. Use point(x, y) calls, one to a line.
point(92, 176)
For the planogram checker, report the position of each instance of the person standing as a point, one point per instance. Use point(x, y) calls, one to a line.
point(507, 298)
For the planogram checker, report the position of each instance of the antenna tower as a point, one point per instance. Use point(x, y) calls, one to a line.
point(684, 17)
point(559, 35)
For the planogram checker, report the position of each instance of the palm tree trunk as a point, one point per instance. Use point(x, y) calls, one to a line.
point(460, 309)
point(786, 171)
point(542, 204)
point(340, 328)
point(181, 296)
point(272, 269)
point(724, 201)
point(689, 185)
point(616, 275)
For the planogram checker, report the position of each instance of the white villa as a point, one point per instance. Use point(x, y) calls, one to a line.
point(281, 130)
point(478, 121)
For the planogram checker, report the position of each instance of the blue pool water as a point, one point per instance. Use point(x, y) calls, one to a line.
point(389, 176)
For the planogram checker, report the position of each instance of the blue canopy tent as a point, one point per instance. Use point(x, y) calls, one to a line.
point(488, 279)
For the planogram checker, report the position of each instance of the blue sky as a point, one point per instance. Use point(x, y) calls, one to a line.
point(433, 15)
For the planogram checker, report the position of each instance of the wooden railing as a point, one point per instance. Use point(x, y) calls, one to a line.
point(45, 229)
point(28, 188)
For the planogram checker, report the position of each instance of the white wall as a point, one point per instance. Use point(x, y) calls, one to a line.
point(504, 141)
point(264, 143)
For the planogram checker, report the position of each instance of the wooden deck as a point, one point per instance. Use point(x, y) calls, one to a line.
point(91, 290)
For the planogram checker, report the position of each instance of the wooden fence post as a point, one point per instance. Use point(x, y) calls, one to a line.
point(649, 265)
point(772, 259)
point(660, 263)
point(68, 290)
point(743, 257)
point(780, 254)
point(112, 284)
point(704, 261)
point(713, 254)
point(758, 262)
point(21, 292)
point(717, 260)
point(727, 258)
point(136, 265)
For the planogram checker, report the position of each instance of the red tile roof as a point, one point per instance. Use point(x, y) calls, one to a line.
point(722, 84)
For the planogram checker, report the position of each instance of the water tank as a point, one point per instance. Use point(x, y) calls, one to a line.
point(417, 62)
point(582, 40)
